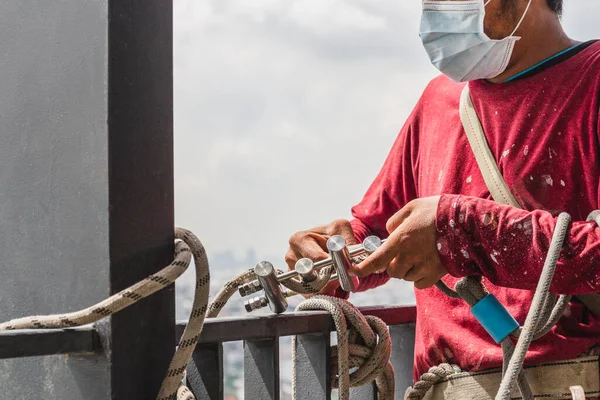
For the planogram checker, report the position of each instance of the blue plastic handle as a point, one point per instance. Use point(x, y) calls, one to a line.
point(495, 319)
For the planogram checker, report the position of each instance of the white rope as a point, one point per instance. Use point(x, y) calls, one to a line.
point(369, 350)
point(540, 299)
point(430, 378)
point(362, 342)
point(186, 245)
point(544, 313)
point(365, 345)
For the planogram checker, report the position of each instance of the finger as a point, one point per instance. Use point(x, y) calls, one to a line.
point(343, 228)
point(291, 258)
point(414, 274)
point(313, 247)
point(425, 283)
point(398, 268)
point(398, 218)
point(402, 264)
point(382, 257)
point(308, 244)
point(320, 240)
point(320, 230)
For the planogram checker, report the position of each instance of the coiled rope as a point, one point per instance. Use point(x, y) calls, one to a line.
point(366, 345)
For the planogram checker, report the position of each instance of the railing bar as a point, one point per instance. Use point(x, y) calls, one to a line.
point(288, 324)
point(313, 367)
point(261, 369)
point(402, 358)
point(366, 392)
point(205, 373)
point(34, 343)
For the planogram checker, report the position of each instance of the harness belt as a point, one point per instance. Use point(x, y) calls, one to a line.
point(548, 381)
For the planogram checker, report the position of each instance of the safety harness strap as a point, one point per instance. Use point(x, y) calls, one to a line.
point(485, 159)
point(550, 380)
point(491, 172)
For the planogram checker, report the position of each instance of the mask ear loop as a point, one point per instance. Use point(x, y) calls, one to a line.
point(522, 18)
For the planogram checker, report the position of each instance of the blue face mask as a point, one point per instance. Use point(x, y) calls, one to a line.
point(453, 36)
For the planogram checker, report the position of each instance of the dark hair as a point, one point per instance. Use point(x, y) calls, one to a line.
point(556, 6)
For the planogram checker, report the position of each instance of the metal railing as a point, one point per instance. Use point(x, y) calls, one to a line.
point(260, 336)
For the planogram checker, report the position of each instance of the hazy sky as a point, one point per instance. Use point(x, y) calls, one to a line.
point(286, 109)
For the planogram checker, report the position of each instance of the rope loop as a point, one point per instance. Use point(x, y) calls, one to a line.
point(363, 344)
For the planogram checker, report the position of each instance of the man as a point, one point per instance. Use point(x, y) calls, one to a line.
point(538, 103)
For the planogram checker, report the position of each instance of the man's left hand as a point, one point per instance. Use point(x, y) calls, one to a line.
point(410, 252)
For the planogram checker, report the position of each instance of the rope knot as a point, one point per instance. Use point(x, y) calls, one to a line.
point(364, 344)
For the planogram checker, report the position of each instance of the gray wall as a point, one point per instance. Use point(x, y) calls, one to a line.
point(86, 191)
point(53, 182)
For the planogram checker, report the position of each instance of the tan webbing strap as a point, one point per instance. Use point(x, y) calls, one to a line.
point(485, 159)
point(548, 381)
point(491, 173)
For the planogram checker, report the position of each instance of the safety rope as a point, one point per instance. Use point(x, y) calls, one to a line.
point(186, 245)
point(363, 342)
point(545, 311)
point(366, 345)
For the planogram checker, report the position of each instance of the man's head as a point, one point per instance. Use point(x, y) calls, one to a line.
point(540, 30)
point(522, 33)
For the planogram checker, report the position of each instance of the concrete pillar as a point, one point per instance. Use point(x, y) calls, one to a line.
point(86, 185)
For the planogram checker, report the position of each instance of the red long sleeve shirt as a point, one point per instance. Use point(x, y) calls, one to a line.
point(543, 130)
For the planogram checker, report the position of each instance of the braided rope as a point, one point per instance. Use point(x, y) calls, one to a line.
point(111, 305)
point(183, 393)
point(366, 352)
point(430, 378)
point(228, 290)
point(545, 311)
point(193, 329)
point(188, 245)
point(540, 299)
point(366, 345)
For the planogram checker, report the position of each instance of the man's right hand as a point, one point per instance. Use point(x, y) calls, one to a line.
point(313, 244)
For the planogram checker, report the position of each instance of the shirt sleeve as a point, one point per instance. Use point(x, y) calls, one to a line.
point(508, 245)
point(393, 187)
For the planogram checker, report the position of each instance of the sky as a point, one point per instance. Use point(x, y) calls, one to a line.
point(285, 109)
